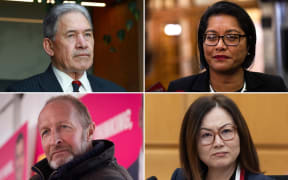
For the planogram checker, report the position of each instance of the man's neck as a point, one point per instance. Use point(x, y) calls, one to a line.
point(73, 75)
point(227, 82)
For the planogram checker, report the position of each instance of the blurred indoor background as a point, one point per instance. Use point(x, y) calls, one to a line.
point(171, 37)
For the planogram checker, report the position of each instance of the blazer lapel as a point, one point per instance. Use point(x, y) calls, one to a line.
point(48, 81)
point(252, 82)
point(93, 83)
point(201, 83)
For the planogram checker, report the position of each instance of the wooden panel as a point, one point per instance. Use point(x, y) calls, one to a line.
point(124, 66)
point(161, 162)
point(163, 117)
point(273, 161)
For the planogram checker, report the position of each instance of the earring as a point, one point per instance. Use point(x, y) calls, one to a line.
point(248, 54)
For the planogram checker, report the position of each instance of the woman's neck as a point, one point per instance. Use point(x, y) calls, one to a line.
point(220, 173)
point(227, 82)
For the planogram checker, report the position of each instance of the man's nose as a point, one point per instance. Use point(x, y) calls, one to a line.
point(55, 138)
point(81, 41)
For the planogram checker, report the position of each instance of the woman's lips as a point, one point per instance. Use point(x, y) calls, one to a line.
point(220, 154)
point(221, 57)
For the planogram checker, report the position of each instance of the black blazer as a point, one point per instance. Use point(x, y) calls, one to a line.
point(47, 82)
point(178, 174)
point(255, 82)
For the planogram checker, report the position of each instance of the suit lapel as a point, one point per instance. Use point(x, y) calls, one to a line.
point(201, 84)
point(253, 82)
point(93, 83)
point(48, 81)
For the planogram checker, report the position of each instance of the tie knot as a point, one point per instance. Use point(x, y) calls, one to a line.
point(76, 85)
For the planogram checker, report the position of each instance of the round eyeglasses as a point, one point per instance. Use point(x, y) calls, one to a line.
point(228, 39)
point(226, 133)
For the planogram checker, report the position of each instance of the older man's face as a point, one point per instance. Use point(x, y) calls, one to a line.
point(61, 132)
point(73, 44)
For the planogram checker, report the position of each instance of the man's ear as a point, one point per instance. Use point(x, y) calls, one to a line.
point(48, 46)
point(90, 131)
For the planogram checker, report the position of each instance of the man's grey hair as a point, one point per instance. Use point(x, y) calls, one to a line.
point(85, 118)
point(50, 21)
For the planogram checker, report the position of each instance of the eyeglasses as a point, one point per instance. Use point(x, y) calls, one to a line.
point(226, 133)
point(228, 39)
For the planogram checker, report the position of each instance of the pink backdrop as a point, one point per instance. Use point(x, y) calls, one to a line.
point(118, 118)
point(8, 156)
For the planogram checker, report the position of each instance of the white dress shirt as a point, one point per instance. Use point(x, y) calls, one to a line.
point(65, 81)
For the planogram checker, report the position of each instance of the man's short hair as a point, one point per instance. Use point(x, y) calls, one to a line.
point(85, 119)
point(50, 22)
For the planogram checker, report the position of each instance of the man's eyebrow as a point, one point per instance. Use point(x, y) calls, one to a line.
point(41, 128)
point(73, 31)
point(88, 30)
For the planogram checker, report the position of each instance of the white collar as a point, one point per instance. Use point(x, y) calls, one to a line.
point(65, 81)
point(238, 173)
point(241, 91)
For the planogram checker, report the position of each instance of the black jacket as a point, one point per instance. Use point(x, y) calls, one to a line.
point(178, 174)
point(99, 163)
point(47, 82)
point(255, 82)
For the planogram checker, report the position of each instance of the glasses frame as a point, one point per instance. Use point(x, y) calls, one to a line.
point(217, 133)
point(222, 37)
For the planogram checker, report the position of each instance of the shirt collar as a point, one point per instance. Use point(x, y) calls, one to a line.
point(65, 81)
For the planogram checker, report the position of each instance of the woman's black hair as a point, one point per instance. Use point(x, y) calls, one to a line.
point(244, 21)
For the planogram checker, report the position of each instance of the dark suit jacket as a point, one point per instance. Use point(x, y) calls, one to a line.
point(178, 174)
point(47, 82)
point(255, 82)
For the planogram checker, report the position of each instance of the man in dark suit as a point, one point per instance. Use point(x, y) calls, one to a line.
point(69, 41)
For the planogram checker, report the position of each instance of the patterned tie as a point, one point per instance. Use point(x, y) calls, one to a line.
point(76, 85)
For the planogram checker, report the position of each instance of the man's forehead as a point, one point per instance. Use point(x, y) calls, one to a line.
point(74, 19)
point(57, 110)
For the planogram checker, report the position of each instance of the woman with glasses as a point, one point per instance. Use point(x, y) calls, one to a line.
point(226, 42)
point(215, 143)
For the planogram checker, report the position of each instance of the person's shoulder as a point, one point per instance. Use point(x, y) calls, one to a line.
point(269, 82)
point(264, 76)
point(35, 177)
point(253, 176)
point(30, 84)
point(178, 174)
point(102, 85)
point(187, 83)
